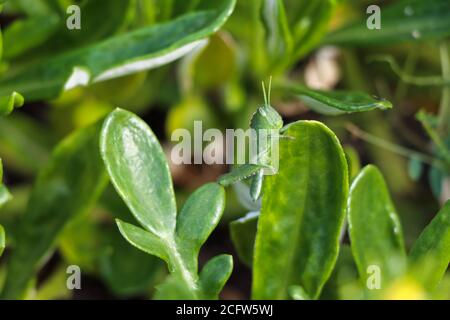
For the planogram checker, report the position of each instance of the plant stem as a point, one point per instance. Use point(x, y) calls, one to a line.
point(180, 267)
point(444, 114)
point(408, 153)
point(408, 67)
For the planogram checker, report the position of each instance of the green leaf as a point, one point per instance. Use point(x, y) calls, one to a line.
point(26, 34)
point(405, 20)
point(128, 271)
point(430, 254)
point(66, 187)
point(139, 171)
point(353, 161)
point(10, 101)
point(243, 234)
point(143, 240)
point(91, 30)
point(302, 214)
point(311, 25)
point(146, 48)
point(197, 219)
point(278, 35)
point(214, 275)
point(35, 7)
point(374, 227)
point(337, 102)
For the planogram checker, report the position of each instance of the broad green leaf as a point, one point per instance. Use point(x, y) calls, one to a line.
point(243, 234)
point(374, 227)
point(10, 101)
point(91, 30)
point(146, 48)
point(404, 20)
point(302, 214)
point(67, 186)
point(214, 275)
point(430, 254)
point(337, 102)
point(139, 171)
point(240, 173)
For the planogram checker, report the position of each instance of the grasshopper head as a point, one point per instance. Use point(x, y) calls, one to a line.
point(266, 117)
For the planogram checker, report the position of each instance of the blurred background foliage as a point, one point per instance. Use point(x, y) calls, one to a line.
point(219, 84)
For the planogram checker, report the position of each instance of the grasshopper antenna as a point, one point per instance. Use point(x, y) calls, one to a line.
point(267, 94)
point(264, 92)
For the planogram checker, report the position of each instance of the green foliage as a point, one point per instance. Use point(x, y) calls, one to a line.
point(338, 102)
point(67, 186)
point(374, 227)
point(47, 79)
point(299, 233)
point(9, 102)
point(138, 169)
point(293, 239)
point(404, 20)
point(431, 250)
point(377, 239)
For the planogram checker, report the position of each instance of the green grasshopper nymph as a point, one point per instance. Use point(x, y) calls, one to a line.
point(268, 119)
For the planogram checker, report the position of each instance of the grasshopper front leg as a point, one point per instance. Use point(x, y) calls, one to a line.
point(256, 185)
